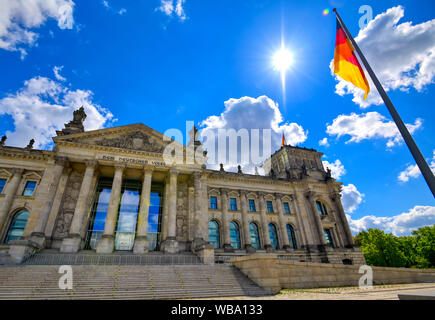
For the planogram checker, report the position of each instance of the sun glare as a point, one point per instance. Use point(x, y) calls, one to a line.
point(282, 60)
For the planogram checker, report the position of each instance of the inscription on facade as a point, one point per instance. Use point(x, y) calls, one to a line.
point(134, 160)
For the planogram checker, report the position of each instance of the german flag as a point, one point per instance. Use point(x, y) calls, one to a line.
point(283, 141)
point(346, 64)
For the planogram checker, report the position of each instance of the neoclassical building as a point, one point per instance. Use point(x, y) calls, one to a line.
point(111, 190)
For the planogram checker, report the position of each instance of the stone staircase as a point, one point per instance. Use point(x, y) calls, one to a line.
point(127, 282)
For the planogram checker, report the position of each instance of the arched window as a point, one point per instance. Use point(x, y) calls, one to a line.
point(273, 236)
point(213, 233)
point(234, 235)
point(291, 236)
point(18, 224)
point(255, 237)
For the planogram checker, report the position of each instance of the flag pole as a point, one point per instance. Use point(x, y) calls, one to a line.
point(418, 157)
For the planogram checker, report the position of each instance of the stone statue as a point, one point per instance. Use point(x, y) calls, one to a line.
point(30, 145)
point(328, 173)
point(239, 169)
point(76, 124)
point(304, 170)
point(222, 168)
point(256, 171)
point(3, 140)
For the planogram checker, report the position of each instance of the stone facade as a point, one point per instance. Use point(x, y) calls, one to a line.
point(295, 194)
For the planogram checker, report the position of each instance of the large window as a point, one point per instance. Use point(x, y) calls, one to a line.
point(155, 217)
point(213, 202)
point(213, 233)
point(269, 206)
point(273, 236)
point(328, 237)
point(291, 236)
point(127, 216)
point(234, 235)
point(255, 237)
point(29, 188)
point(287, 208)
point(321, 208)
point(98, 215)
point(17, 226)
point(2, 184)
point(252, 205)
point(233, 204)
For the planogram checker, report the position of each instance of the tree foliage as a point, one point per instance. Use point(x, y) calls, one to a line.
point(387, 250)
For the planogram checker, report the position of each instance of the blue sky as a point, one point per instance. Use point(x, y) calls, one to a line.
point(163, 63)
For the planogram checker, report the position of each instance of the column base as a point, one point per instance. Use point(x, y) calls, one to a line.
point(250, 249)
point(140, 245)
point(39, 238)
point(269, 248)
point(228, 248)
point(197, 243)
point(20, 250)
point(170, 246)
point(71, 244)
point(106, 243)
point(206, 253)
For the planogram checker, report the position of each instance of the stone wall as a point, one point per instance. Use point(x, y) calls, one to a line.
point(273, 274)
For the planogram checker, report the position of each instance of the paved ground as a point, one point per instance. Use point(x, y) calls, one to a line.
point(379, 292)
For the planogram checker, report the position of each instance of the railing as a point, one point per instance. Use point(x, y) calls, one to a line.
point(111, 259)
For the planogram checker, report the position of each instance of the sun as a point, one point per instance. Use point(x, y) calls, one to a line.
point(282, 60)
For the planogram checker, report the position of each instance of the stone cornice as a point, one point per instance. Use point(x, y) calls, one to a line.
point(30, 154)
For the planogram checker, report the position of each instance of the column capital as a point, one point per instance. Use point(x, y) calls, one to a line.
point(62, 161)
point(278, 195)
point(173, 171)
point(243, 192)
point(147, 170)
point(91, 163)
point(261, 194)
point(224, 191)
point(310, 194)
point(17, 171)
point(119, 166)
point(335, 196)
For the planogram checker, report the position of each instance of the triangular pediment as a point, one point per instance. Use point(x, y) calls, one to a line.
point(137, 137)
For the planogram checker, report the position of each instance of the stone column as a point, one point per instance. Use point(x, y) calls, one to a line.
point(141, 241)
point(57, 202)
point(106, 243)
point(10, 193)
point(263, 220)
point(198, 237)
point(245, 222)
point(45, 199)
point(72, 242)
point(317, 221)
point(348, 239)
point(281, 219)
point(170, 244)
point(300, 231)
point(225, 222)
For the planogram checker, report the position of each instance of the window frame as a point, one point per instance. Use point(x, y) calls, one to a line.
point(321, 208)
point(11, 225)
point(213, 203)
point(231, 204)
point(4, 186)
point(269, 209)
point(288, 207)
point(327, 231)
point(252, 201)
point(25, 188)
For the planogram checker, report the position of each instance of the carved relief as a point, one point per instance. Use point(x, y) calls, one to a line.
point(69, 201)
point(135, 141)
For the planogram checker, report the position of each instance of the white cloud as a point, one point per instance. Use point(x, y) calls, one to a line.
point(108, 7)
point(402, 224)
point(122, 11)
point(402, 55)
point(368, 125)
point(412, 171)
point(324, 142)
point(106, 4)
point(351, 198)
point(170, 7)
point(337, 168)
point(57, 75)
point(43, 106)
point(251, 113)
point(18, 17)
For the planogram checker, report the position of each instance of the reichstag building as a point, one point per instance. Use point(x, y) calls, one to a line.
point(110, 190)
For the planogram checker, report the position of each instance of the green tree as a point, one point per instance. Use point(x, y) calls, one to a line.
point(387, 250)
